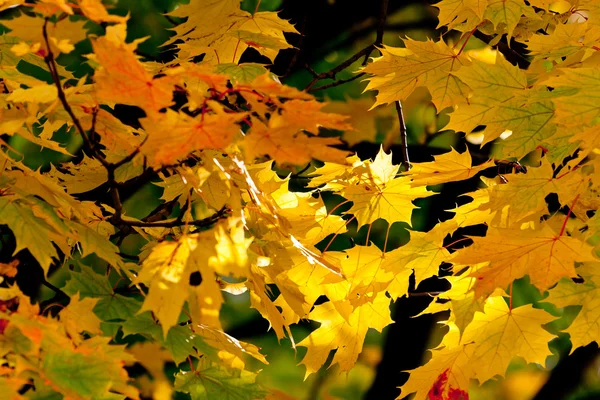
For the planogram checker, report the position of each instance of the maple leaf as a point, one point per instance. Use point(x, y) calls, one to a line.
point(209, 380)
point(526, 193)
point(501, 333)
point(29, 29)
point(542, 254)
point(450, 362)
point(31, 232)
point(222, 31)
point(284, 129)
point(89, 371)
point(378, 194)
point(507, 13)
point(455, 11)
point(566, 40)
point(78, 317)
point(500, 106)
point(485, 349)
point(448, 167)
point(95, 10)
point(584, 328)
point(398, 72)
point(173, 135)
point(167, 271)
point(580, 108)
point(345, 335)
point(124, 79)
point(109, 305)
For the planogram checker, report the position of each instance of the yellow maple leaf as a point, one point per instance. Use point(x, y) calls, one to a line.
point(543, 254)
point(366, 274)
point(507, 13)
point(347, 336)
point(455, 11)
point(222, 31)
point(496, 335)
point(79, 316)
point(29, 29)
point(448, 167)
point(230, 350)
point(581, 108)
point(524, 194)
point(287, 145)
point(377, 194)
point(398, 72)
point(502, 102)
point(447, 369)
point(584, 329)
point(166, 270)
point(567, 39)
point(499, 334)
point(95, 10)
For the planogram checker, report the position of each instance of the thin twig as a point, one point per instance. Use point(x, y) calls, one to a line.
point(130, 156)
point(332, 72)
point(337, 83)
point(178, 222)
point(366, 52)
point(380, 29)
point(294, 59)
point(424, 294)
point(51, 63)
point(403, 141)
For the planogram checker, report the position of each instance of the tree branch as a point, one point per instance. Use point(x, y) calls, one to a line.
point(366, 52)
point(337, 83)
point(403, 141)
point(222, 213)
point(51, 63)
point(117, 218)
point(380, 29)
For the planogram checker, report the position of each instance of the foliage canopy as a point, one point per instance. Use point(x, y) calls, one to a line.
point(213, 133)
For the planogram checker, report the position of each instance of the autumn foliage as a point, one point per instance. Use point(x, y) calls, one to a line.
point(214, 134)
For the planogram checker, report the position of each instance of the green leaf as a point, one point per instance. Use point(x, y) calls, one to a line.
point(181, 341)
point(86, 375)
point(212, 382)
point(111, 306)
point(31, 232)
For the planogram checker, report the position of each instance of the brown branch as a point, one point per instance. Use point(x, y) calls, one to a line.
point(337, 83)
point(298, 49)
point(51, 63)
point(222, 213)
point(332, 72)
point(403, 141)
point(116, 218)
point(130, 156)
point(366, 52)
point(380, 29)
